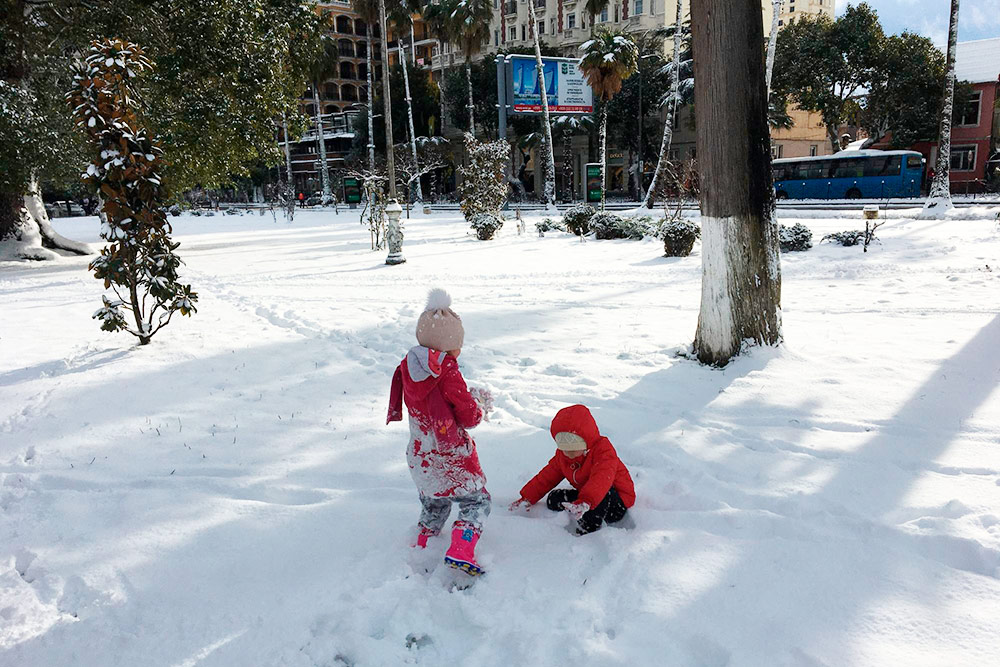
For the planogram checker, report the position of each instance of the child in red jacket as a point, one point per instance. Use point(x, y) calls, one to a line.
point(602, 488)
point(441, 453)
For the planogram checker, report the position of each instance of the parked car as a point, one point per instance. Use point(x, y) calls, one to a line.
point(64, 209)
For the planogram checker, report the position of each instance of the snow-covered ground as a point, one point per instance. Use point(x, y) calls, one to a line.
point(230, 495)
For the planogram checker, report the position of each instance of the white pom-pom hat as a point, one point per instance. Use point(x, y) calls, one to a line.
point(439, 327)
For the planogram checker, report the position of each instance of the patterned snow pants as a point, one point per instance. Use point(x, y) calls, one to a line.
point(472, 510)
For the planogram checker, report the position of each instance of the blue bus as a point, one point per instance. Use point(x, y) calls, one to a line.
point(863, 174)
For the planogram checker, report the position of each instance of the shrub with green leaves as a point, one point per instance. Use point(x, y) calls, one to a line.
point(678, 236)
point(607, 226)
point(548, 225)
point(848, 238)
point(484, 189)
point(486, 225)
point(577, 219)
point(795, 238)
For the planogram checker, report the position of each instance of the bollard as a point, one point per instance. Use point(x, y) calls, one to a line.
point(394, 234)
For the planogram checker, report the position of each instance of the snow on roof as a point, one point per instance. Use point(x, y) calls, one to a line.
point(978, 61)
point(867, 152)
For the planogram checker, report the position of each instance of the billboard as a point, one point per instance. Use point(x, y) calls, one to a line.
point(567, 90)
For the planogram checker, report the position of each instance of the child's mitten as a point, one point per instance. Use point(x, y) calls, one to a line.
point(518, 504)
point(576, 510)
point(484, 398)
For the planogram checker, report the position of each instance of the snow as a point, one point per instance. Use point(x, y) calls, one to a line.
point(230, 495)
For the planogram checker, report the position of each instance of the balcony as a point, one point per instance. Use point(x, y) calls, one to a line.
point(510, 8)
point(540, 6)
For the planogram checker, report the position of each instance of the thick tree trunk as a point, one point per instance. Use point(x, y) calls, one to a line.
point(468, 82)
point(550, 160)
point(324, 165)
point(741, 274)
point(604, 155)
point(26, 230)
point(940, 192)
point(10, 214)
point(371, 108)
point(668, 127)
point(419, 195)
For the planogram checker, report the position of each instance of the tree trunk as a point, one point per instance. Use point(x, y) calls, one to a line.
point(324, 165)
point(550, 160)
point(371, 108)
point(668, 127)
point(568, 167)
point(468, 81)
point(10, 213)
point(741, 272)
point(288, 152)
point(604, 143)
point(940, 192)
point(419, 195)
point(772, 43)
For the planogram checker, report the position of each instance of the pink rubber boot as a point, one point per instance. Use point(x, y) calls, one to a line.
point(422, 536)
point(462, 553)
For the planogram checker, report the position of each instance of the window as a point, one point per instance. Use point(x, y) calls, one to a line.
point(652, 7)
point(553, 28)
point(524, 32)
point(496, 4)
point(616, 13)
point(914, 162)
point(969, 113)
point(813, 150)
point(883, 166)
point(513, 33)
point(496, 38)
point(852, 168)
point(963, 158)
point(541, 27)
point(638, 8)
point(604, 15)
point(571, 21)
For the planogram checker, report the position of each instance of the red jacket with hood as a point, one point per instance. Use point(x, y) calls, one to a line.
point(441, 453)
point(593, 474)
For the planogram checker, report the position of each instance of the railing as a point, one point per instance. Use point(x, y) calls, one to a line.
point(510, 8)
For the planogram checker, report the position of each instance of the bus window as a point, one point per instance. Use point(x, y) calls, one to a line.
point(877, 166)
point(914, 162)
point(893, 165)
point(852, 168)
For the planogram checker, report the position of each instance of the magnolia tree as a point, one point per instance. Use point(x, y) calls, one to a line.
point(138, 264)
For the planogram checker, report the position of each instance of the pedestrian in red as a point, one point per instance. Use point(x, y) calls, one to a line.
point(602, 487)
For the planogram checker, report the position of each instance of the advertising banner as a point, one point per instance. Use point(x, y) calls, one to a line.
point(567, 90)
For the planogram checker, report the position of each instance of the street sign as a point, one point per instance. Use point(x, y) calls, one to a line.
point(567, 90)
point(594, 181)
point(352, 191)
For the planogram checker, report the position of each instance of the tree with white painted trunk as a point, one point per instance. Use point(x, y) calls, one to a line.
point(323, 67)
point(772, 42)
point(368, 9)
point(470, 23)
point(741, 272)
point(939, 201)
point(550, 160)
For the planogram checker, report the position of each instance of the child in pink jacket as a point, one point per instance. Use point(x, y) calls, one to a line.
point(441, 453)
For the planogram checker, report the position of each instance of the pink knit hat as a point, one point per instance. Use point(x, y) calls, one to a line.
point(439, 327)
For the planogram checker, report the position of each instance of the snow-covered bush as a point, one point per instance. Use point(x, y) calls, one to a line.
point(174, 210)
point(848, 238)
point(795, 238)
point(577, 219)
point(484, 189)
point(548, 225)
point(678, 236)
point(138, 264)
point(607, 226)
point(486, 225)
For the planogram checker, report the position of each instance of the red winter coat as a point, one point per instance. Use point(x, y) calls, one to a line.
point(593, 474)
point(441, 453)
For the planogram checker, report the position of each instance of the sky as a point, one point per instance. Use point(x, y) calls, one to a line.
point(978, 19)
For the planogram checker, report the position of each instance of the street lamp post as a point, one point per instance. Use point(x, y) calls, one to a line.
point(394, 234)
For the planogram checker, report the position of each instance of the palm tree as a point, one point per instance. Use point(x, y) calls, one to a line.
point(324, 67)
point(470, 25)
point(566, 127)
point(401, 14)
point(609, 58)
point(368, 10)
